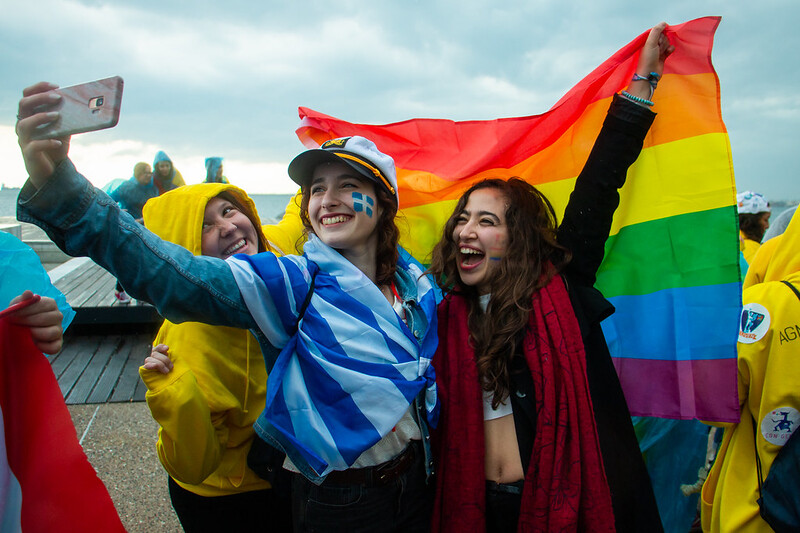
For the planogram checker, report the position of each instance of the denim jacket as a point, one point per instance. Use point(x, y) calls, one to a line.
point(84, 221)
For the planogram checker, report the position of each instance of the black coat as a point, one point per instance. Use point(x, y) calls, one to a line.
point(584, 230)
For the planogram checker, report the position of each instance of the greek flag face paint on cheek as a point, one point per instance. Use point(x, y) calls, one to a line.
point(363, 202)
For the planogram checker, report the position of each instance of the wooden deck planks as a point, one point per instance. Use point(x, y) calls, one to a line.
point(102, 368)
point(107, 381)
point(94, 368)
point(89, 289)
point(129, 381)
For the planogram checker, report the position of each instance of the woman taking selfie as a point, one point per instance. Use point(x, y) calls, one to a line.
point(351, 393)
point(535, 433)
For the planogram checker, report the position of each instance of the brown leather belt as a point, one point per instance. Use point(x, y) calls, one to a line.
point(377, 475)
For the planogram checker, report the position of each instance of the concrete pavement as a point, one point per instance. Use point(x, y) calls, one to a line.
point(119, 440)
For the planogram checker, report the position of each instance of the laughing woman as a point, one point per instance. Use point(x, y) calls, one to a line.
point(351, 393)
point(535, 434)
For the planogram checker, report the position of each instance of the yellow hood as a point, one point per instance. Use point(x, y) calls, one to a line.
point(778, 257)
point(177, 215)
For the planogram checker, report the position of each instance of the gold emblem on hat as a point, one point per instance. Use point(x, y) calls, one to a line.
point(335, 142)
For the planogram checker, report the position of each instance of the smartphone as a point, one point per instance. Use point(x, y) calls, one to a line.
point(19, 305)
point(86, 107)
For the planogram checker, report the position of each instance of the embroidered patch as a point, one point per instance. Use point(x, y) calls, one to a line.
point(779, 424)
point(335, 143)
point(363, 203)
point(754, 323)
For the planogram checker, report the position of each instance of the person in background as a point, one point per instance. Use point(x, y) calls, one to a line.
point(165, 176)
point(208, 384)
point(134, 193)
point(131, 196)
point(535, 433)
point(21, 270)
point(754, 214)
point(768, 377)
point(214, 171)
point(779, 224)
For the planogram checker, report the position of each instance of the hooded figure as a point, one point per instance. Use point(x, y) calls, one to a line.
point(165, 176)
point(754, 213)
point(214, 170)
point(207, 404)
point(769, 374)
point(136, 191)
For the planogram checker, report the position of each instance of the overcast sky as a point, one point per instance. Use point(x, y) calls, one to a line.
point(207, 78)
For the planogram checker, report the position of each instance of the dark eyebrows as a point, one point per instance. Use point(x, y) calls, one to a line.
point(343, 175)
point(482, 214)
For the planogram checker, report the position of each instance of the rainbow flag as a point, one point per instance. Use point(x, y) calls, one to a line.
point(671, 266)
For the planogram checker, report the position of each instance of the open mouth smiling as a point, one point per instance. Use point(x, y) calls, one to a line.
point(470, 257)
point(235, 247)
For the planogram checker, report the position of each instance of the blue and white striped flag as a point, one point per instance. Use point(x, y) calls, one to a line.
point(353, 368)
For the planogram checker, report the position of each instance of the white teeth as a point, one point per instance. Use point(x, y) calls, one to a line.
point(333, 220)
point(465, 250)
point(236, 246)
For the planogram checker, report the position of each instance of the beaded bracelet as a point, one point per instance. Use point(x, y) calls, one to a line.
point(636, 99)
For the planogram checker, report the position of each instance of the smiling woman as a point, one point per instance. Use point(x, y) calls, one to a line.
point(551, 445)
point(352, 391)
point(228, 229)
point(207, 384)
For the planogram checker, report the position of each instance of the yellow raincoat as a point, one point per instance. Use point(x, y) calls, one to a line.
point(207, 404)
point(769, 387)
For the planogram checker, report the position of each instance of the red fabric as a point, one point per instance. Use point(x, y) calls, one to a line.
point(60, 488)
point(565, 487)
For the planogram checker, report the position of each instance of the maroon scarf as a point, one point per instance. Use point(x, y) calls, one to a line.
point(565, 487)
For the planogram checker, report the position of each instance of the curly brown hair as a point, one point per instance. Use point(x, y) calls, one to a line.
point(533, 257)
point(388, 234)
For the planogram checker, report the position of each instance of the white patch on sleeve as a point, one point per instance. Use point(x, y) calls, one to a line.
point(754, 323)
point(779, 424)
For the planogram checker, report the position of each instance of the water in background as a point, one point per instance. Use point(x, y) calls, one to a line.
point(270, 206)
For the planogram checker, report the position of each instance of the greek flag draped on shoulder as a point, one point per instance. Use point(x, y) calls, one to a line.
point(354, 366)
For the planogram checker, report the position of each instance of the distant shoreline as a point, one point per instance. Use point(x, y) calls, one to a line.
point(269, 206)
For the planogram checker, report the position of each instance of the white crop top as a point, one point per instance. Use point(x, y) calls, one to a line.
point(504, 408)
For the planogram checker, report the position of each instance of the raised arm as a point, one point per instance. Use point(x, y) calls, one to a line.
point(83, 220)
point(587, 218)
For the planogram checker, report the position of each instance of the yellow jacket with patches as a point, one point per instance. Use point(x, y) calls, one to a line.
point(769, 390)
point(207, 404)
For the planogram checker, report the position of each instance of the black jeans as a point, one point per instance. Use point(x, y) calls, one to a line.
point(502, 506)
point(403, 504)
point(259, 510)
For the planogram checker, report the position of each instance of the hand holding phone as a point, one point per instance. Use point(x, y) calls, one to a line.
point(86, 107)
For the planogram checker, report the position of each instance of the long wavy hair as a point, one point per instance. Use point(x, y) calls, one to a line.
point(388, 234)
point(533, 257)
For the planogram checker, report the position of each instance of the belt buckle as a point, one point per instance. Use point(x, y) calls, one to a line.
point(389, 470)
